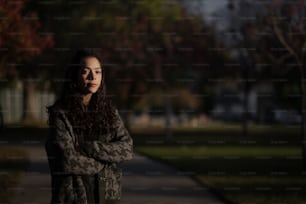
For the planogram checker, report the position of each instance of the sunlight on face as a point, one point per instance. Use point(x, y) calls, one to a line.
point(90, 75)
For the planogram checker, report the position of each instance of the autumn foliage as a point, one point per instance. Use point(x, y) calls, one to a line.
point(20, 38)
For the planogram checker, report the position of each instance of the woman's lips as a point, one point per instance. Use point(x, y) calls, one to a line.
point(92, 84)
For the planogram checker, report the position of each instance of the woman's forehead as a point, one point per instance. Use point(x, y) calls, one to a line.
point(91, 62)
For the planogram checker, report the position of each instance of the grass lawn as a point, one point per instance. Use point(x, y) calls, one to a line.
point(219, 134)
point(264, 168)
point(12, 163)
point(241, 174)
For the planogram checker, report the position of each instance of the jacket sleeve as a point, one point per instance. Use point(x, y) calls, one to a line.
point(118, 150)
point(61, 147)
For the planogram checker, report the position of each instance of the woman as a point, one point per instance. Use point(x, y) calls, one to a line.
point(87, 137)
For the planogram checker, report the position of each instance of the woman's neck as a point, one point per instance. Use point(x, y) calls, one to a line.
point(86, 99)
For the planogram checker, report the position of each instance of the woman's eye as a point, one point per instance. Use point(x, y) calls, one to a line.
point(98, 72)
point(84, 71)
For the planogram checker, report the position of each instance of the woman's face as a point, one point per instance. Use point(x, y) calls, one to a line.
point(90, 75)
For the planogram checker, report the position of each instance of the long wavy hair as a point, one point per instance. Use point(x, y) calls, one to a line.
point(100, 116)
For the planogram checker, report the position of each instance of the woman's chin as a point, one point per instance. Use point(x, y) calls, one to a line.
point(91, 90)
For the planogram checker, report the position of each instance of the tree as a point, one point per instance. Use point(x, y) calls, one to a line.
point(286, 21)
point(280, 43)
point(240, 42)
point(20, 41)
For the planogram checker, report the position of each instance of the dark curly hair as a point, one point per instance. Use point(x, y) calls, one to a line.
point(100, 116)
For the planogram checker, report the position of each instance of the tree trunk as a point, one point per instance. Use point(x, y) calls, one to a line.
point(159, 75)
point(28, 100)
point(303, 124)
point(246, 65)
point(168, 111)
point(1, 119)
point(245, 117)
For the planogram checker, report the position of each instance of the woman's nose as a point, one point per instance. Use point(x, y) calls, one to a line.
point(90, 76)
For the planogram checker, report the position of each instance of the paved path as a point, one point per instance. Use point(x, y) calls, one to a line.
point(144, 182)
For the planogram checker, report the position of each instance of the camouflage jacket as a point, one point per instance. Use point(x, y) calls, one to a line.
point(68, 166)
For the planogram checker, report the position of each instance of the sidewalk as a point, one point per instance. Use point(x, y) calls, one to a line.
point(35, 186)
point(149, 182)
point(144, 182)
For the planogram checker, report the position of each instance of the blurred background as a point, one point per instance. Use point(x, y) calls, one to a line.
point(213, 88)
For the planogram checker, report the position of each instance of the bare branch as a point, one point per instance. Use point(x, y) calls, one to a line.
point(281, 38)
